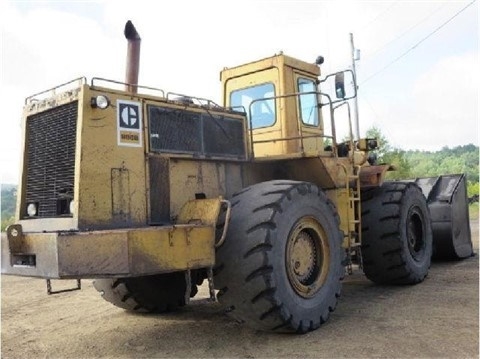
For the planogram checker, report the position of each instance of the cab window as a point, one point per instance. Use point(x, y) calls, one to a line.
point(263, 111)
point(308, 103)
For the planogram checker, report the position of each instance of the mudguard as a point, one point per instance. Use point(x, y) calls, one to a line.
point(447, 200)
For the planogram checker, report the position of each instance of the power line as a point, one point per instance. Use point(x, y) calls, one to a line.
point(408, 30)
point(379, 15)
point(418, 43)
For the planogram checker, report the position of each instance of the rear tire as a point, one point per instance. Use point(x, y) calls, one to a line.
point(396, 234)
point(280, 267)
point(155, 293)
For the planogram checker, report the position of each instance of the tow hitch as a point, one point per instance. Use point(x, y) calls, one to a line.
point(50, 291)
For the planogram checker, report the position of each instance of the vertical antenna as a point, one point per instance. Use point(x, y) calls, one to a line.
point(355, 100)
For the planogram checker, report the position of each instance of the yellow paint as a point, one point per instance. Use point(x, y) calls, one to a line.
point(128, 252)
point(283, 72)
point(200, 211)
point(213, 179)
point(114, 184)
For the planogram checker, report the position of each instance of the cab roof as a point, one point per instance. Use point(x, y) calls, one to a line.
point(278, 60)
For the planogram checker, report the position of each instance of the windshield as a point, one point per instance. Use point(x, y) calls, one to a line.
point(263, 112)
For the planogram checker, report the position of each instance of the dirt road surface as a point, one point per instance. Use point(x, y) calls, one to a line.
point(436, 319)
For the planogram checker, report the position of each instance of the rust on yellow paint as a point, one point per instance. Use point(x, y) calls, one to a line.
point(126, 252)
point(200, 211)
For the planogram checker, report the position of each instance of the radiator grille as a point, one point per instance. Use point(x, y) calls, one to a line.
point(51, 160)
point(201, 133)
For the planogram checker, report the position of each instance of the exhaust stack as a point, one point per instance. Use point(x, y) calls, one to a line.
point(133, 57)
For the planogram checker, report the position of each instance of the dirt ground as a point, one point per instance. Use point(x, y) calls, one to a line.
point(436, 319)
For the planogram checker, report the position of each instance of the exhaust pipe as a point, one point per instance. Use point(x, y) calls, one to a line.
point(133, 57)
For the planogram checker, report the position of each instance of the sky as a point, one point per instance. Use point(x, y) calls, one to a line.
point(418, 72)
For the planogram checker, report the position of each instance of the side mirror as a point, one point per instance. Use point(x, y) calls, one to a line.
point(340, 85)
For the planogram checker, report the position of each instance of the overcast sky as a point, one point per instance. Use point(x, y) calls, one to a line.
point(418, 72)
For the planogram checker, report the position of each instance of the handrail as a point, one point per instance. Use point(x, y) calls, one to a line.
point(292, 138)
point(200, 100)
point(299, 124)
point(82, 80)
point(349, 122)
point(92, 83)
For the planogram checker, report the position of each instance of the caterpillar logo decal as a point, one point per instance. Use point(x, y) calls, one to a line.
point(129, 123)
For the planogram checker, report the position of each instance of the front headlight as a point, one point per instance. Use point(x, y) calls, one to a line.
point(100, 101)
point(32, 209)
point(72, 207)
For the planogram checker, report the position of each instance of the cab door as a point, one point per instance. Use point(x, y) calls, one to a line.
point(308, 112)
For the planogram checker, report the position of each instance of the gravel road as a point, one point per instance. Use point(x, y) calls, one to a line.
point(438, 318)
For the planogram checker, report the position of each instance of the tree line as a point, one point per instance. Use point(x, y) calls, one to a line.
point(416, 164)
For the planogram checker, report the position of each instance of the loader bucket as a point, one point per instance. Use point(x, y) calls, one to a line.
point(447, 200)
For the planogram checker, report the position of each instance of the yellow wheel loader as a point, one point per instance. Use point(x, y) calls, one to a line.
point(151, 193)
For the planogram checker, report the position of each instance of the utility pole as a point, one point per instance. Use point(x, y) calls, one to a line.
point(355, 57)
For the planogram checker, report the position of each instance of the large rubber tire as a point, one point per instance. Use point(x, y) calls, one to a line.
point(280, 268)
point(156, 293)
point(396, 234)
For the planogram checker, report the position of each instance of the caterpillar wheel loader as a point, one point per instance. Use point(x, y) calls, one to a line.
point(151, 193)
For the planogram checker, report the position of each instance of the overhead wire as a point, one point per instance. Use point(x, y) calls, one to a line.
point(418, 43)
point(408, 30)
point(379, 16)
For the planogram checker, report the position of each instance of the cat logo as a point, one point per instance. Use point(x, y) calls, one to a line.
point(129, 123)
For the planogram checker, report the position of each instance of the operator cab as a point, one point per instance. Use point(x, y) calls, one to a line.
point(279, 96)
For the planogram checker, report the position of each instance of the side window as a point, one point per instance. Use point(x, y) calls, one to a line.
point(263, 111)
point(308, 103)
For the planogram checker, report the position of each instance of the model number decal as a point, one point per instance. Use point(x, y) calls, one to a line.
point(129, 123)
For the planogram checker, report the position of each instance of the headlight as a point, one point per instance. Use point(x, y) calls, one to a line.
point(72, 207)
point(100, 101)
point(32, 209)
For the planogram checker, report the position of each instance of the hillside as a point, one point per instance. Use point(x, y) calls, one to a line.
point(460, 159)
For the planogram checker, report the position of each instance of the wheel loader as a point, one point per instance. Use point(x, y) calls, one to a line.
point(151, 193)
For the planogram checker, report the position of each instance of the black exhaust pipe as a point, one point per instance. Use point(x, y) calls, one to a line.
point(133, 57)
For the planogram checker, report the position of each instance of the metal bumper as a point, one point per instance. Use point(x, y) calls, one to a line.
point(109, 253)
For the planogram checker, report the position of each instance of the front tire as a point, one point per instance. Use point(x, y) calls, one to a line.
point(156, 293)
point(280, 267)
point(396, 234)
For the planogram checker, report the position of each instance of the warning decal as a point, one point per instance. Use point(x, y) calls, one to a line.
point(129, 123)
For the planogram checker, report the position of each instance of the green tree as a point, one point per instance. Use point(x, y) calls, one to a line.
point(8, 196)
point(472, 189)
point(460, 159)
point(398, 160)
point(388, 154)
point(383, 144)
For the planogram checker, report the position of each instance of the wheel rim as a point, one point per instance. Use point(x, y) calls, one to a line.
point(307, 257)
point(415, 233)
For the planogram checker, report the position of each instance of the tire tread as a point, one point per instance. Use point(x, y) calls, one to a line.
point(384, 251)
point(254, 295)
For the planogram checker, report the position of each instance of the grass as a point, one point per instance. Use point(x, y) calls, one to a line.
point(473, 210)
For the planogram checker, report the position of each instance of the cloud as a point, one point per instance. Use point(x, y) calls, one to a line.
point(448, 95)
point(186, 43)
point(42, 48)
point(439, 109)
